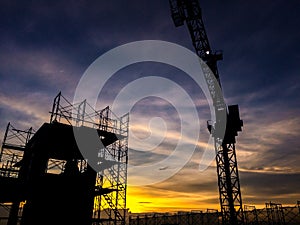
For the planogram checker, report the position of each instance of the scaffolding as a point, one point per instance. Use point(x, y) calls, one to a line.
point(111, 182)
point(39, 167)
point(12, 150)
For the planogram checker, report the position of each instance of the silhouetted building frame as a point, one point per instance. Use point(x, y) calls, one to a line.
point(50, 180)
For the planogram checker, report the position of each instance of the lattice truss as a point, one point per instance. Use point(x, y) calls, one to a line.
point(111, 182)
point(12, 150)
point(110, 204)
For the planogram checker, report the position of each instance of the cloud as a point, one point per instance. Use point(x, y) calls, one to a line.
point(267, 142)
point(29, 111)
point(144, 157)
point(163, 200)
point(259, 188)
point(35, 69)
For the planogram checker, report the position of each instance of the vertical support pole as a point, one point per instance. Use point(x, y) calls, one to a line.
point(4, 140)
point(28, 135)
point(13, 213)
point(103, 118)
point(81, 113)
point(55, 108)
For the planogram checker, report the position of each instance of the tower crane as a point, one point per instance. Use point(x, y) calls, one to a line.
point(189, 11)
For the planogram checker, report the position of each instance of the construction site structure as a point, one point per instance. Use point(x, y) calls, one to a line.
point(46, 178)
point(272, 214)
point(189, 11)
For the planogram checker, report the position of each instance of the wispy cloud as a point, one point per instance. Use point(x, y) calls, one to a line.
point(37, 68)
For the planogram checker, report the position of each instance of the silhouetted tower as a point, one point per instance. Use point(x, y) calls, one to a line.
point(189, 11)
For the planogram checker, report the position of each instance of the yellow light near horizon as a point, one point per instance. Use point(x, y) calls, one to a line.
point(147, 199)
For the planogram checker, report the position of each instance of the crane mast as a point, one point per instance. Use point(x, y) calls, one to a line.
point(189, 11)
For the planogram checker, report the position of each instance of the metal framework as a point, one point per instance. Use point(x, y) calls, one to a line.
point(110, 207)
point(272, 214)
point(12, 150)
point(111, 181)
point(189, 11)
point(50, 158)
point(11, 155)
point(7, 209)
point(210, 217)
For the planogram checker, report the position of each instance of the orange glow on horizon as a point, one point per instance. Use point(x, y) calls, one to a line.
point(147, 199)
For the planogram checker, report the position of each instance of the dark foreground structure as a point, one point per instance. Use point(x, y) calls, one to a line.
point(50, 177)
point(272, 214)
point(189, 12)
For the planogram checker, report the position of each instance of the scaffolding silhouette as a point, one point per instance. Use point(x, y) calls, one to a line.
point(45, 178)
point(209, 217)
point(12, 150)
point(272, 214)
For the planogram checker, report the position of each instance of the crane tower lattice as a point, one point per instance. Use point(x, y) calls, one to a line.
point(189, 11)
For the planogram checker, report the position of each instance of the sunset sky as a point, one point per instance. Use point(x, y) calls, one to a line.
point(46, 47)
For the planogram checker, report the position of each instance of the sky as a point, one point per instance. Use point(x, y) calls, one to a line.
point(47, 46)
